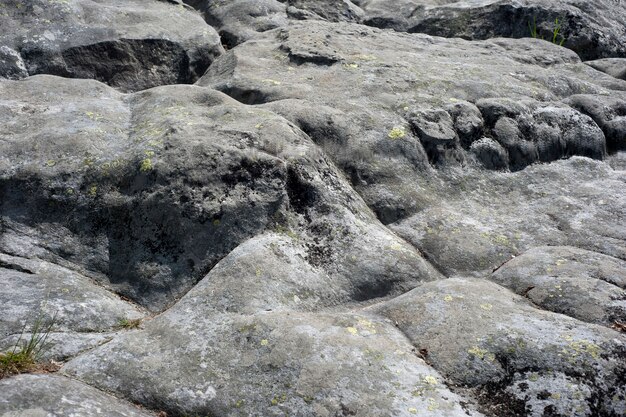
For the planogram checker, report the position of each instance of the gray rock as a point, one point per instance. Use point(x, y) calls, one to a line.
point(50, 395)
point(301, 231)
point(199, 175)
point(490, 154)
point(11, 64)
point(582, 284)
point(32, 290)
point(483, 220)
point(468, 122)
point(435, 130)
point(356, 97)
point(57, 346)
point(479, 335)
point(331, 10)
point(615, 67)
point(592, 29)
point(241, 20)
point(608, 113)
point(270, 364)
point(521, 152)
point(123, 43)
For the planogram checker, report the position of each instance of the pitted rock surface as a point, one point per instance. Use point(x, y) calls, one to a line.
point(305, 208)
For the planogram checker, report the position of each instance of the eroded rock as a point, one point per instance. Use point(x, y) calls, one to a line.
point(125, 44)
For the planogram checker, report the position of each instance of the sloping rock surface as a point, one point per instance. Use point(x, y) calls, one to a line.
point(128, 44)
point(315, 213)
point(46, 395)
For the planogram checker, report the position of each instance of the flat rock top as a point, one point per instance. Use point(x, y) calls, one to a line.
point(306, 208)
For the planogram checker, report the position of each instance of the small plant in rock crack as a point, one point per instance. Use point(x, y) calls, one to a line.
point(26, 353)
point(129, 323)
point(557, 36)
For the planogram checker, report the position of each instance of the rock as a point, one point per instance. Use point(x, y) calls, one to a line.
point(615, 67)
point(45, 395)
point(184, 175)
point(581, 284)
point(57, 346)
point(11, 64)
point(592, 30)
point(331, 10)
point(484, 220)
point(32, 290)
point(468, 122)
point(435, 130)
point(336, 219)
point(608, 113)
point(496, 342)
point(490, 154)
point(354, 96)
point(123, 43)
point(269, 363)
point(521, 152)
point(241, 20)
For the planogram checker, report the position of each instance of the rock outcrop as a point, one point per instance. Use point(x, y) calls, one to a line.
point(305, 208)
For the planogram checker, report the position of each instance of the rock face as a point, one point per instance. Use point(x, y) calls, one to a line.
point(332, 216)
point(122, 43)
point(593, 29)
point(44, 395)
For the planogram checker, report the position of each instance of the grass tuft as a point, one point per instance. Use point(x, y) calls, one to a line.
point(26, 353)
point(129, 323)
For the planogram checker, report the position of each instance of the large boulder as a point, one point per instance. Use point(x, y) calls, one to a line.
point(145, 193)
point(517, 359)
point(126, 43)
point(593, 29)
point(192, 361)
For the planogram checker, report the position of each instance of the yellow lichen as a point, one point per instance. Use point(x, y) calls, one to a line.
point(396, 247)
point(146, 165)
point(430, 380)
point(448, 298)
point(396, 133)
point(486, 306)
point(432, 404)
point(352, 330)
point(413, 410)
point(478, 352)
point(264, 342)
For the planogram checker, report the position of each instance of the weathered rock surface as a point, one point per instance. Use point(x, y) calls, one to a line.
point(48, 395)
point(34, 289)
point(269, 363)
point(581, 284)
point(483, 220)
point(381, 113)
point(167, 193)
point(483, 337)
point(125, 43)
point(593, 29)
point(335, 220)
point(615, 67)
